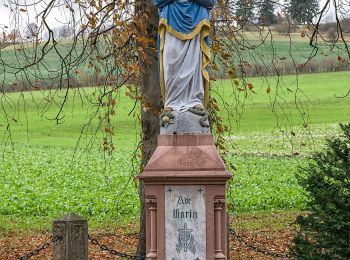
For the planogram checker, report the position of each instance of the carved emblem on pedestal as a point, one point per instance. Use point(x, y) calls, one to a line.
point(185, 240)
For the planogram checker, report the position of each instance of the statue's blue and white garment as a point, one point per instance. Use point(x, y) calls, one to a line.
point(183, 52)
point(182, 66)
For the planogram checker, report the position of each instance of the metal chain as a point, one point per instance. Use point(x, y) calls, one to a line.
point(40, 248)
point(103, 247)
point(256, 248)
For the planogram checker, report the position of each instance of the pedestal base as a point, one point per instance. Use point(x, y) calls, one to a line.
point(185, 183)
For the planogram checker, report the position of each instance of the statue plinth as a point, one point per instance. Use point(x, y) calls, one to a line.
point(185, 122)
point(185, 184)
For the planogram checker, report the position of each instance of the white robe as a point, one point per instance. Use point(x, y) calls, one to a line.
point(182, 62)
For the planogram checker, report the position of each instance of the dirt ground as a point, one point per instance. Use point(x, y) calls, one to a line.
point(261, 236)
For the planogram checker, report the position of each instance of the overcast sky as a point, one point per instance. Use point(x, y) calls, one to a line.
point(53, 18)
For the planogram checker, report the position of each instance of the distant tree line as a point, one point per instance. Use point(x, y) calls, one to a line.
point(264, 12)
point(31, 32)
point(261, 12)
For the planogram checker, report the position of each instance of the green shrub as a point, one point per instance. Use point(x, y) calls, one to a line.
point(324, 233)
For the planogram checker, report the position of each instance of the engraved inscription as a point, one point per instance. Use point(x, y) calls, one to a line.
point(185, 222)
point(192, 159)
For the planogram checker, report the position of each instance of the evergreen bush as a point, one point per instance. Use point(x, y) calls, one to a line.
point(324, 233)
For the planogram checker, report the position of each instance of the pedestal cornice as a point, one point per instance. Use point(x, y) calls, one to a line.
point(185, 157)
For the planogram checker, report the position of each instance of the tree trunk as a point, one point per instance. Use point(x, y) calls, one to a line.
point(151, 105)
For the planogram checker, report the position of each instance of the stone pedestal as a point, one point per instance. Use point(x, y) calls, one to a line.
point(185, 183)
point(73, 230)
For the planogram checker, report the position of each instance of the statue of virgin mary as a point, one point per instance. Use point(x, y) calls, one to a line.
point(184, 53)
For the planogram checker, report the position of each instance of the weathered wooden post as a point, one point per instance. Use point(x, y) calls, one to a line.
point(73, 230)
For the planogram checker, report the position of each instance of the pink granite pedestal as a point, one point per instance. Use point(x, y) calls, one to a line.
point(187, 163)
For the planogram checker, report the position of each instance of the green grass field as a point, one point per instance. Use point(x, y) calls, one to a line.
point(262, 113)
point(44, 174)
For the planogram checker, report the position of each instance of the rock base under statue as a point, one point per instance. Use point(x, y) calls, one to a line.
point(185, 122)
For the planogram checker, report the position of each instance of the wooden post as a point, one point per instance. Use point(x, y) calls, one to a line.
point(74, 232)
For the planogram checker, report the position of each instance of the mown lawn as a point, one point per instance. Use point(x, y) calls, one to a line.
point(291, 102)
